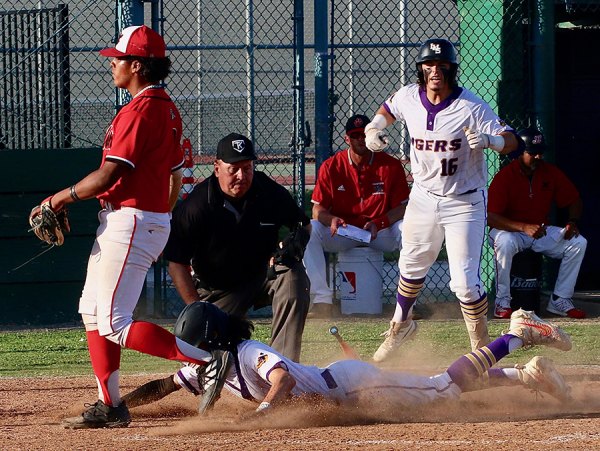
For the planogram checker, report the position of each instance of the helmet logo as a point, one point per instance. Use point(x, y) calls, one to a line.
point(537, 139)
point(436, 48)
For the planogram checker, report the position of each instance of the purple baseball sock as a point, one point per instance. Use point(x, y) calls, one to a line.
point(468, 368)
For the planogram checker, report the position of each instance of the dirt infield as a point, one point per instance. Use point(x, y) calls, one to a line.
point(31, 411)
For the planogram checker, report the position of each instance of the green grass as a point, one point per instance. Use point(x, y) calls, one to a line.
point(64, 352)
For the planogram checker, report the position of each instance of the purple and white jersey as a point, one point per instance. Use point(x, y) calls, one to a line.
point(440, 157)
point(249, 377)
point(257, 360)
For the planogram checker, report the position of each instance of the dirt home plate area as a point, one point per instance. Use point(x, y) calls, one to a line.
point(31, 411)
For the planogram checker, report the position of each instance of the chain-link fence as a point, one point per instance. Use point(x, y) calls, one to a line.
point(249, 67)
point(56, 89)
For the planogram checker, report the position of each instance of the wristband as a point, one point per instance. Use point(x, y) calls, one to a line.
point(496, 142)
point(263, 406)
point(73, 194)
point(381, 222)
point(379, 122)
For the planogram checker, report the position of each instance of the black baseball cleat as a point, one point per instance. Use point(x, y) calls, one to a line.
point(211, 379)
point(99, 415)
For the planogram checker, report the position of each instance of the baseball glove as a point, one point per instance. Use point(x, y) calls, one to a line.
point(49, 225)
point(291, 249)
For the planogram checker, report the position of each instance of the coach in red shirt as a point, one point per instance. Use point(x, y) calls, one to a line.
point(354, 187)
point(520, 198)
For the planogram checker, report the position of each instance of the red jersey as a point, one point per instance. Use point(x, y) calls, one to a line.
point(360, 195)
point(513, 195)
point(145, 135)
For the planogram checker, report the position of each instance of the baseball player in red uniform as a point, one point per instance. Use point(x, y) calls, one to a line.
point(521, 195)
point(137, 184)
point(265, 377)
point(355, 187)
point(449, 129)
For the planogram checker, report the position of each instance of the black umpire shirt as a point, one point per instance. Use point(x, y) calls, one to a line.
point(226, 249)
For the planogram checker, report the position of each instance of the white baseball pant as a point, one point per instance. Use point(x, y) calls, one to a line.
point(460, 220)
point(361, 382)
point(387, 240)
point(127, 242)
point(507, 244)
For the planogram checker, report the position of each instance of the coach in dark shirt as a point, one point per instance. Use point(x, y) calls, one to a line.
point(228, 229)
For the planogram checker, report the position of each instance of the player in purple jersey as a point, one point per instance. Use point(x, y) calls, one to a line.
point(262, 375)
point(449, 129)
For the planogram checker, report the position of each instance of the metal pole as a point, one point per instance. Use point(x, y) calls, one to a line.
point(250, 68)
point(333, 97)
point(129, 12)
point(199, 64)
point(406, 70)
point(322, 118)
point(299, 138)
point(66, 76)
point(350, 59)
point(542, 48)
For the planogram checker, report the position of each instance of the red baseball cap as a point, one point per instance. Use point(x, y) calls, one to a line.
point(138, 40)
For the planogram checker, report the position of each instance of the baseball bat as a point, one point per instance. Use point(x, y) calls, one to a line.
point(348, 350)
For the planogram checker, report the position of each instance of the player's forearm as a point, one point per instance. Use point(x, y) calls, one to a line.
point(496, 221)
point(182, 279)
point(175, 187)
point(282, 383)
point(151, 392)
point(389, 119)
point(90, 186)
point(322, 215)
point(396, 213)
point(510, 143)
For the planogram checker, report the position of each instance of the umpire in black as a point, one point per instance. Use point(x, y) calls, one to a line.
point(228, 229)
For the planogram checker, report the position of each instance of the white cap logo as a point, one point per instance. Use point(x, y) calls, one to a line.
point(238, 145)
point(435, 48)
point(537, 139)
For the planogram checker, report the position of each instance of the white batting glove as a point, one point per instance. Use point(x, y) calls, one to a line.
point(479, 141)
point(376, 139)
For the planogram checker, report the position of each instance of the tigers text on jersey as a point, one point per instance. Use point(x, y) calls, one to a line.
point(440, 157)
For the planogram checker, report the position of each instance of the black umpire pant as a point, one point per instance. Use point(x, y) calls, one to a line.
point(288, 294)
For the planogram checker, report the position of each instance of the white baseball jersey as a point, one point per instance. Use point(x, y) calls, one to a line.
point(440, 158)
point(346, 381)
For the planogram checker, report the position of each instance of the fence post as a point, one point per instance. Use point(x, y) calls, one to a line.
point(129, 12)
point(298, 140)
point(322, 118)
point(542, 50)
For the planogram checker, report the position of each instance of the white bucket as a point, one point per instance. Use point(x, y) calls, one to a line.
point(359, 271)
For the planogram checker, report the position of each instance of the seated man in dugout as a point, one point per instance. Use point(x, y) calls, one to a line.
point(520, 197)
point(354, 187)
